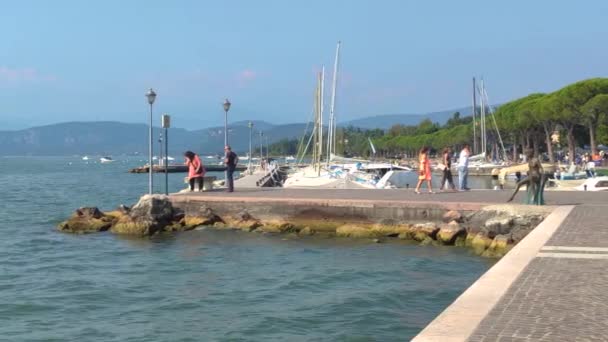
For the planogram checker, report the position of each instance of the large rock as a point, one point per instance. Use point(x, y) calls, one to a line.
point(149, 216)
point(354, 231)
point(153, 208)
point(277, 226)
point(500, 245)
point(244, 221)
point(307, 231)
point(422, 231)
point(512, 221)
point(448, 233)
point(392, 230)
point(480, 243)
point(452, 215)
point(498, 225)
point(87, 220)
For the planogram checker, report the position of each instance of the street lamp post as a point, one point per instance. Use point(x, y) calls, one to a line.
point(261, 150)
point(160, 146)
point(226, 109)
point(166, 123)
point(151, 95)
point(250, 125)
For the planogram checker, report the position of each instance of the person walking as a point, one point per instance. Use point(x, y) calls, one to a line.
point(230, 160)
point(463, 168)
point(424, 170)
point(447, 171)
point(196, 170)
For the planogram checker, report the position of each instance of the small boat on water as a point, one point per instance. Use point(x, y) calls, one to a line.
point(85, 158)
point(106, 160)
point(290, 158)
point(589, 184)
point(594, 184)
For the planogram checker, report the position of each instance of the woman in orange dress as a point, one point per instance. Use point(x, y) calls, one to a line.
point(424, 170)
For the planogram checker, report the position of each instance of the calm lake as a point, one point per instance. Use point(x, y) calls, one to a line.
point(202, 285)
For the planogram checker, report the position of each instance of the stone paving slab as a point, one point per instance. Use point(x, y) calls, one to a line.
point(554, 299)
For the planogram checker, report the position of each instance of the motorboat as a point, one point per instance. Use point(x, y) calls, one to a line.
point(85, 158)
point(106, 160)
point(590, 184)
point(363, 175)
point(594, 184)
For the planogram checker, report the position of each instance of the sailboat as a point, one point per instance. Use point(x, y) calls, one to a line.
point(336, 171)
point(480, 157)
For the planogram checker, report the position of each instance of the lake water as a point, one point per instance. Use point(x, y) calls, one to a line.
point(202, 285)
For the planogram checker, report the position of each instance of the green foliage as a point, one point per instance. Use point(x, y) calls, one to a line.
point(596, 109)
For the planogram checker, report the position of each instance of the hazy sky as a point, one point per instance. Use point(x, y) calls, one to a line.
point(94, 60)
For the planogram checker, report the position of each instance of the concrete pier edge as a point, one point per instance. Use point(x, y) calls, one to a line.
point(458, 321)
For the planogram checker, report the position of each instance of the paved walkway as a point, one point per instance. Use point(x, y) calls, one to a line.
point(562, 295)
point(551, 287)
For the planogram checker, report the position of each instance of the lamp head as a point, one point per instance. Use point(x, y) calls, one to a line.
point(151, 95)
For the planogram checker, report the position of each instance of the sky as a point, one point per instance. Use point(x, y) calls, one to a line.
point(94, 60)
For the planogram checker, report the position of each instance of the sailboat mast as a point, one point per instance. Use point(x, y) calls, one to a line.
point(319, 142)
point(475, 149)
point(322, 106)
point(315, 133)
point(483, 132)
point(331, 143)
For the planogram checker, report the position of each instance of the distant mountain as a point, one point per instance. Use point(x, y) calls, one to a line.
point(257, 124)
point(386, 121)
point(114, 138)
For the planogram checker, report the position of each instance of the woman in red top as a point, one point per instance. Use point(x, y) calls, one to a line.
point(424, 170)
point(196, 170)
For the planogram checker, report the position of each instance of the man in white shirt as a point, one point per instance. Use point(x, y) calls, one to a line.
point(463, 168)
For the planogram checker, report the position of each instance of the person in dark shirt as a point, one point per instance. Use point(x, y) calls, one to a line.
point(230, 160)
point(447, 171)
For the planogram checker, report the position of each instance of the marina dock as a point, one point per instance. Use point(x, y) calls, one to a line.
point(182, 168)
point(549, 287)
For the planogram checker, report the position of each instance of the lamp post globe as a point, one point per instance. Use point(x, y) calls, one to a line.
point(151, 95)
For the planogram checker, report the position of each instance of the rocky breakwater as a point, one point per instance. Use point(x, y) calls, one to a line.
point(490, 232)
point(151, 215)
